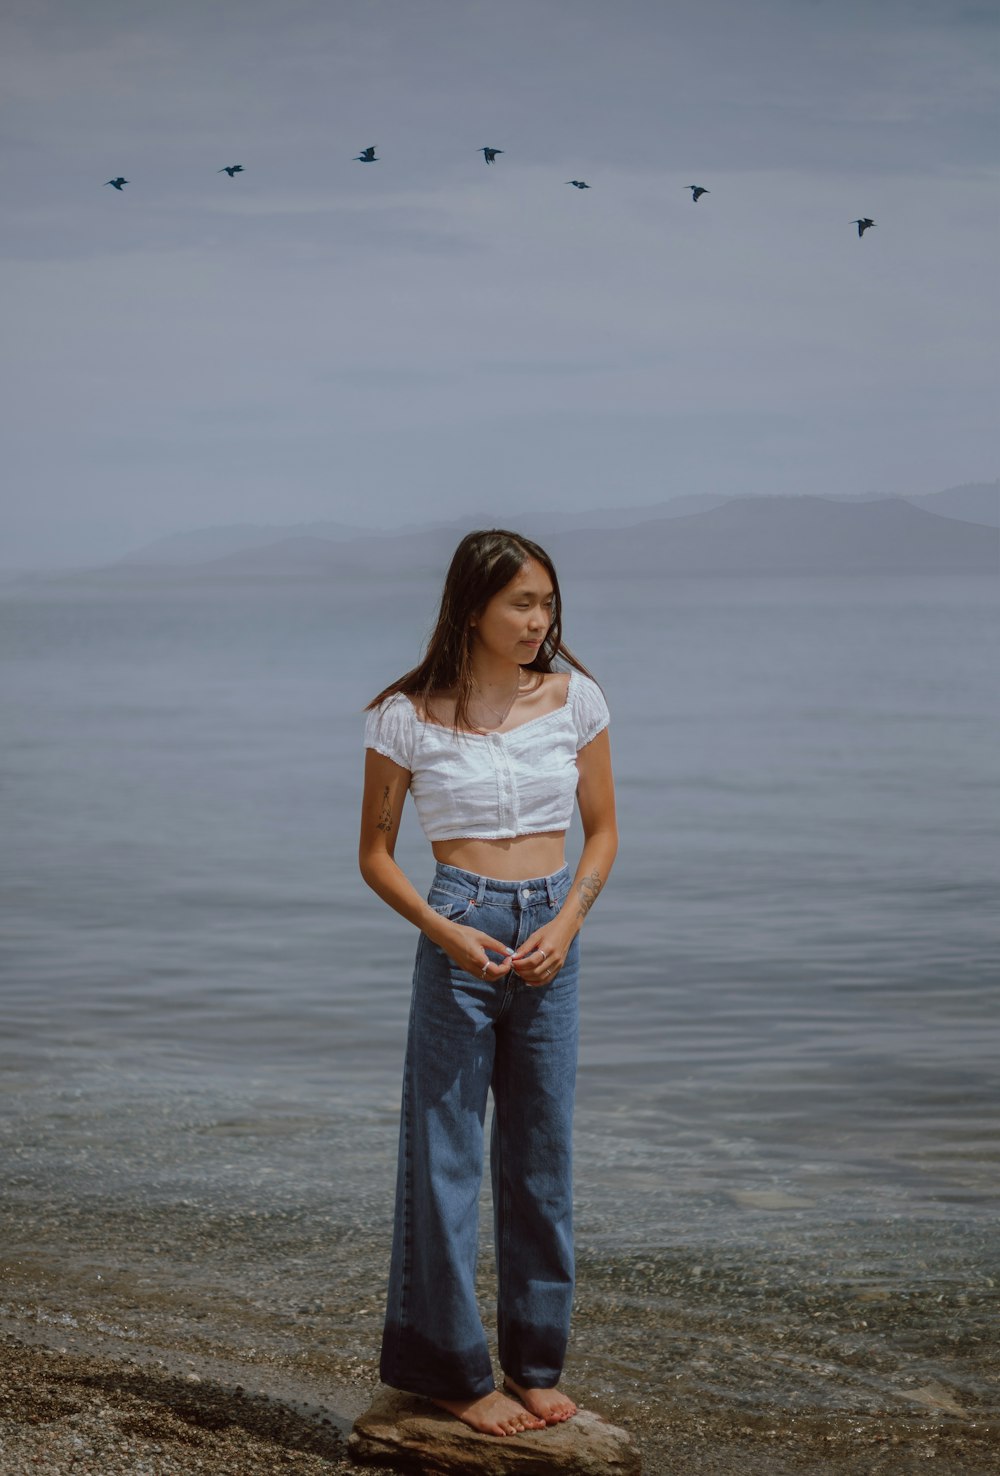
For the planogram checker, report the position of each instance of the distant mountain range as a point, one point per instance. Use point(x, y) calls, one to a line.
point(974, 502)
point(200, 545)
point(956, 531)
point(791, 536)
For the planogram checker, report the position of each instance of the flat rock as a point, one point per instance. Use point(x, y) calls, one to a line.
point(407, 1433)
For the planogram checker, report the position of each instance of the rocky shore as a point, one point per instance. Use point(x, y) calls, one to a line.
point(91, 1414)
point(70, 1412)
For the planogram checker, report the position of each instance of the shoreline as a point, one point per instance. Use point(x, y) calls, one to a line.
point(78, 1400)
point(186, 1287)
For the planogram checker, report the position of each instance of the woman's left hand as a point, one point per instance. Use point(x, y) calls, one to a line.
point(540, 957)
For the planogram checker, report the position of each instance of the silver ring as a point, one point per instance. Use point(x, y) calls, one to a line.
point(485, 967)
point(542, 952)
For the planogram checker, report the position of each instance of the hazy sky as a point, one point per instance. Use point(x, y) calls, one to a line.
point(318, 338)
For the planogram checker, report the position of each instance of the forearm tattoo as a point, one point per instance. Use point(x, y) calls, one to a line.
point(385, 819)
point(587, 892)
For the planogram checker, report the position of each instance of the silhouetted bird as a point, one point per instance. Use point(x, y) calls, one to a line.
point(489, 154)
point(581, 184)
point(697, 191)
point(864, 224)
point(121, 180)
point(368, 155)
point(230, 169)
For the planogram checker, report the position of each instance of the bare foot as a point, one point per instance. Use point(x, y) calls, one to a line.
point(549, 1404)
point(493, 1414)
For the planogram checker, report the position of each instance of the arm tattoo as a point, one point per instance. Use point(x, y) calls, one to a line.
point(588, 890)
point(385, 819)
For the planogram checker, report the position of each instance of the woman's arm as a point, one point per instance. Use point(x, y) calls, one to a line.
point(386, 785)
point(596, 798)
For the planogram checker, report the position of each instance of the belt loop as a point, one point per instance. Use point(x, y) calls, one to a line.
point(550, 891)
point(480, 892)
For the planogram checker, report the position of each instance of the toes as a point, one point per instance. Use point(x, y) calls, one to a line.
point(560, 1413)
point(517, 1427)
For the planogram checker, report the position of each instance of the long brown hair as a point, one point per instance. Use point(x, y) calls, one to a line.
point(483, 564)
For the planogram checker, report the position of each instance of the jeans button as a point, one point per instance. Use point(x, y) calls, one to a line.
point(526, 893)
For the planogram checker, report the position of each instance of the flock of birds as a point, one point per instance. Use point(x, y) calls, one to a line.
point(369, 156)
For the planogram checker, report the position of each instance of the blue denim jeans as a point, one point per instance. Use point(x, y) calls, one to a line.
point(467, 1036)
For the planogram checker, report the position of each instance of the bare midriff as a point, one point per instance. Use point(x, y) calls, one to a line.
point(521, 856)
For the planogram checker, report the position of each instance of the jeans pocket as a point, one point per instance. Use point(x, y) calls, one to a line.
point(455, 909)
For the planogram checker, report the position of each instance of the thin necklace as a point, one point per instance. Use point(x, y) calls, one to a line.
point(501, 717)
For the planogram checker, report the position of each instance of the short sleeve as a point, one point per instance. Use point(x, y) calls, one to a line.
point(590, 711)
point(389, 729)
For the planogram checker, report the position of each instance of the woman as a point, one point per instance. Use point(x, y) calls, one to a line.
point(494, 743)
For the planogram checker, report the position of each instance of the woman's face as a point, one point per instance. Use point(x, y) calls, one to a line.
point(516, 620)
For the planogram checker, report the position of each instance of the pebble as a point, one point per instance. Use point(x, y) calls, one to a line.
point(90, 1414)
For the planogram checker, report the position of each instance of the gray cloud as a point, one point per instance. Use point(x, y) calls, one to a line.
point(320, 338)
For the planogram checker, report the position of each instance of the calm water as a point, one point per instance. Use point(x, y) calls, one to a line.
point(790, 1042)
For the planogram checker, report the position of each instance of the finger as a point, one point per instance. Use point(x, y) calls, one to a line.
point(541, 981)
point(527, 948)
point(545, 968)
point(492, 945)
point(532, 973)
point(536, 966)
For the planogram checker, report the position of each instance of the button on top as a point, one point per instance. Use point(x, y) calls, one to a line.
point(526, 893)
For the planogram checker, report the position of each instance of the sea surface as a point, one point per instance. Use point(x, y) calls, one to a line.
point(789, 1095)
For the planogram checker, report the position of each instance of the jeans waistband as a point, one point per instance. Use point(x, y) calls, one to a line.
point(500, 892)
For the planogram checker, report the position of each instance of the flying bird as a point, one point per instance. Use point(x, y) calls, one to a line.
point(368, 155)
point(121, 180)
point(580, 184)
point(230, 169)
point(697, 191)
point(489, 154)
point(864, 224)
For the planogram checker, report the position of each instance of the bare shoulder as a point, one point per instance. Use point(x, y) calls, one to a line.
point(438, 708)
point(545, 693)
point(554, 686)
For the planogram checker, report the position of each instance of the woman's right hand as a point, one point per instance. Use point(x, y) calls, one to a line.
point(470, 949)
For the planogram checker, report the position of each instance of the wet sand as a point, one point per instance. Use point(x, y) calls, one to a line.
point(93, 1415)
point(80, 1394)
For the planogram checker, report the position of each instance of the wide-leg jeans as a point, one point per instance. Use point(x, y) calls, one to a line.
point(466, 1036)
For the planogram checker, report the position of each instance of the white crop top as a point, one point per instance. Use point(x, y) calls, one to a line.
point(491, 786)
